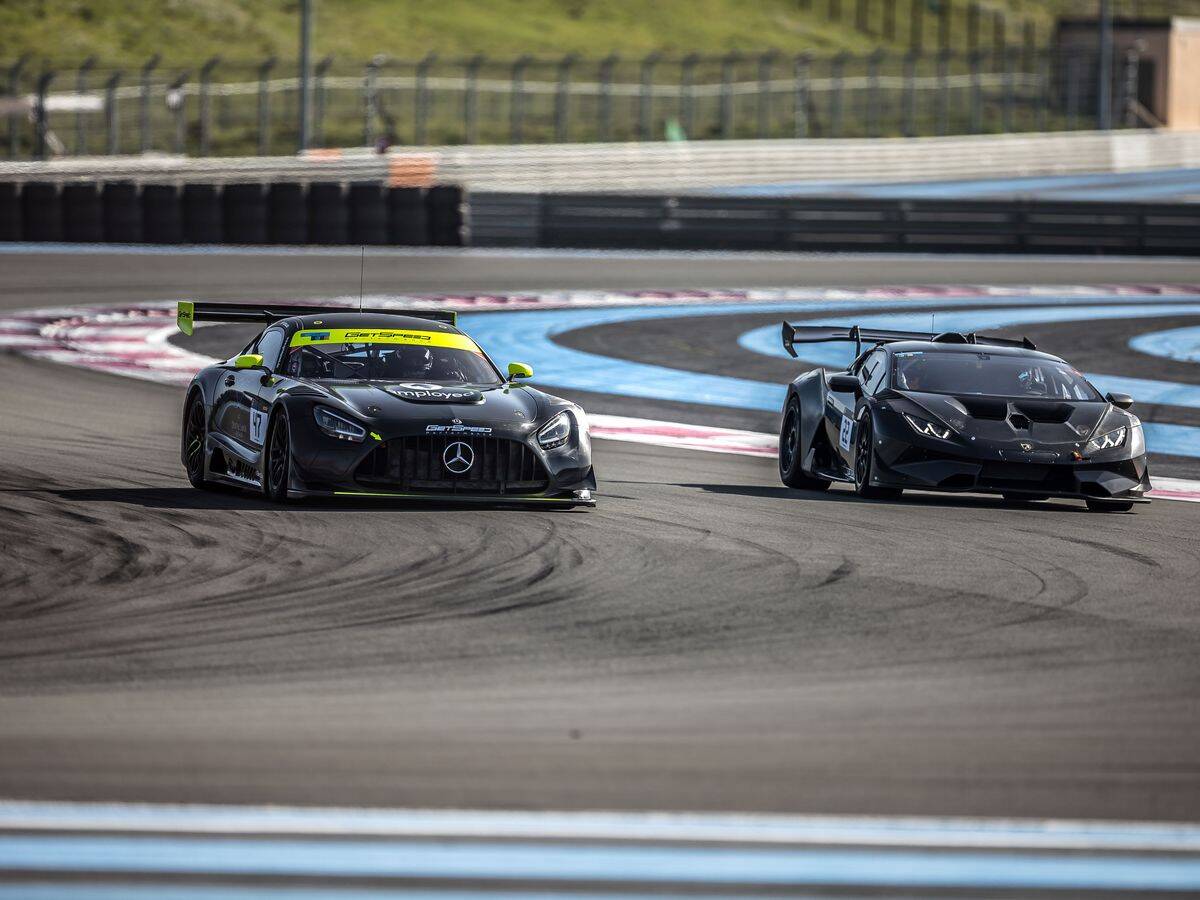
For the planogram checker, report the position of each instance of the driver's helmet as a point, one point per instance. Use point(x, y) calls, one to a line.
point(410, 363)
point(1033, 382)
point(914, 373)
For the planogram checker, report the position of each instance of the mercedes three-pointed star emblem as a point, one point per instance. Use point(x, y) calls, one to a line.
point(458, 457)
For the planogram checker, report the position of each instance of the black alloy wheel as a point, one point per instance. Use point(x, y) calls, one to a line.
point(279, 460)
point(864, 462)
point(791, 472)
point(194, 434)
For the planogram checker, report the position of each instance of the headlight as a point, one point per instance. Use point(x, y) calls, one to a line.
point(336, 426)
point(929, 429)
point(1108, 441)
point(1137, 438)
point(556, 432)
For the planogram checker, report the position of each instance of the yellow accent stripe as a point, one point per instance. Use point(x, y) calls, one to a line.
point(383, 336)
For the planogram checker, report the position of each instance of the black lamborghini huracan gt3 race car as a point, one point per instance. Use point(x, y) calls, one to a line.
point(381, 403)
point(958, 412)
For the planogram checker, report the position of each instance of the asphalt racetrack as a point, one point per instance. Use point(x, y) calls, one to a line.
point(703, 640)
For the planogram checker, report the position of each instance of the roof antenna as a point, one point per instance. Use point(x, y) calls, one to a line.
point(932, 326)
point(362, 267)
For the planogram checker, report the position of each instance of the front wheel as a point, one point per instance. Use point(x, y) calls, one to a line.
point(1109, 506)
point(277, 468)
point(791, 472)
point(864, 464)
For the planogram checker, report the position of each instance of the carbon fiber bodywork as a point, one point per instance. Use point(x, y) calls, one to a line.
point(472, 443)
point(1017, 447)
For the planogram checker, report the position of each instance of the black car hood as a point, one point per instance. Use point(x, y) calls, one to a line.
point(505, 407)
point(1006, 419)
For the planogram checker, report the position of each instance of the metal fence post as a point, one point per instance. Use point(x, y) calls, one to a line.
point(1045, 83)
point(800, 110)
point(421, 98)
point(727, 65)
point(1029, 45)
point(318, 133)
point(910, 94)
point(144, 111)
point(471, 100)
point(177, 101)
point(837, 71)
point(112, 120)
point(916, 25)
point(766, 63)
point(999, 37)
point(516, 100)
point(370, 99)
point(1073, 72)
point(874, 62)
point(562, 99)
point(606, 79)
point(41, 122)
point(889, 20)
point(835, 11)
point(264, 107)
point(81, 78)
point(943, 92)
point(862, 17)
point(14, 91)
point(206, 71)
point(687, 93)
point(944, 11)
point(646, 97)
point(972, 27)
point(976, 62)
point(1010, 78)
point(1130, 89)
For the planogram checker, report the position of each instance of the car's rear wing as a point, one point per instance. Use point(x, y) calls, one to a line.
point(820, 334)
point(190, 312)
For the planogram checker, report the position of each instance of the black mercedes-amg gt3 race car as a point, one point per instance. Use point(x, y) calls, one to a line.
point(379, 403)
point(958, 412)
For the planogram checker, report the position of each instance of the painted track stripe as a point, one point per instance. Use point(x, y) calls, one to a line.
point(569, 862)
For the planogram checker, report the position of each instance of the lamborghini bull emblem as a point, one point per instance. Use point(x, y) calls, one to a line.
point(458, 458)
point(1026, 446)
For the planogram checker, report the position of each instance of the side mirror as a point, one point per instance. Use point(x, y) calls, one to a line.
point(519, 370)
point(249, 361)
point(845, 383)
point(1121, 401)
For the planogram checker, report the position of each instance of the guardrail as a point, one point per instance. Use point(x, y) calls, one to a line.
point(283, 212)
point(655, 166)
point(603, 221)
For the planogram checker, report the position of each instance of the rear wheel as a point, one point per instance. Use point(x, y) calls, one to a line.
point(1109, 506)
point(864, 463)
point(194, 434)
point(277, 469)
point(791, 472)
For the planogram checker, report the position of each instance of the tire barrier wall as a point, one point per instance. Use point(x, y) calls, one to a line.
point(127, 212)
point(666, 222)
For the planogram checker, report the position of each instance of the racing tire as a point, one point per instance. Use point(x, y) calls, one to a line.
point(1109, 506)
point(277, 460)
point(791, 472)
point(195, 433)
point(864, 463)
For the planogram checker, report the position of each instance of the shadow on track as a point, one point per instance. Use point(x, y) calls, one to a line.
point(973, 501)
point(186, 498)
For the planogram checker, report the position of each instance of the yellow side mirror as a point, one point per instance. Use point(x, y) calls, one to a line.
point(519, 370)
point(248, 361)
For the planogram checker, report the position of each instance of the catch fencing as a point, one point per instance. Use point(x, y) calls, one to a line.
point(227, 109)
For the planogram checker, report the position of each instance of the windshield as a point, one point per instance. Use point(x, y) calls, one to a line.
point(388, 362)
point(992, 375)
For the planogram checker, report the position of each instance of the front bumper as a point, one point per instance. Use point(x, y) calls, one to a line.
point(505, 469)
point(905, 465)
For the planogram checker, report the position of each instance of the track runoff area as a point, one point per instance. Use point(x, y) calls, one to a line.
point(670, 372)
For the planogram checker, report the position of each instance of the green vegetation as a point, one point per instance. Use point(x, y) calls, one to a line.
point(185, 32)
